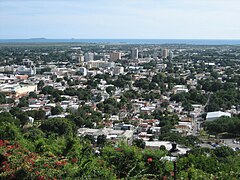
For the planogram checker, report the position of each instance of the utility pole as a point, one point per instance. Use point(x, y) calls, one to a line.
point(175, 169)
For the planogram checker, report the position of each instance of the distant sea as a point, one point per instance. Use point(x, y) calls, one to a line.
point(128, 41)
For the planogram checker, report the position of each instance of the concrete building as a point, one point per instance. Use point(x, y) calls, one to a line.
point(118, 70)
point(100, 64)
point(23, 70)
point(179, 89)
point(217, 114)
point(167, 144)
point(6, 68)
point(134, 53)
point(88, 57)
point(111, 135)
point(17, 90)
point(27, 63)
point(165, 53)
point(114, 56)
point(81, 59)
point(170, 55)
point(83, 71)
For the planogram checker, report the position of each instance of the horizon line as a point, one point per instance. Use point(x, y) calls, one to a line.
point(119, 38)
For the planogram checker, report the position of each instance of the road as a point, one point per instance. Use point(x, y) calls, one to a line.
point(197, 120)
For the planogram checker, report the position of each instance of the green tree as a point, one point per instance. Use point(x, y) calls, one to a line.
point(101, 140)
point(40, 84)
point(2, 98)
point(56, 110)
point(139, 143)
point(110, 90)
point(60, 126)
point(32, 95)
point(23, 102)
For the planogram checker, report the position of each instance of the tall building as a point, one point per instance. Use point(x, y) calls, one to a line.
point(170, 55)
point(81, 58)
point(165, 53)
point(134, 53)
point(114, 56)
point(88, 56)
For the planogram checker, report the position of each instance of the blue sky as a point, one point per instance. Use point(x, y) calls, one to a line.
point(161, 19)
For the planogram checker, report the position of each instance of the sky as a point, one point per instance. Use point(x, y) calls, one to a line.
point(120, 19)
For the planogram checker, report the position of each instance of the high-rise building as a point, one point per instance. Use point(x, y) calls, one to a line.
point(81, 58)
point(134, 53)
point(88, 56)
point(165, 53)
point(114, 56)
point(170, 55)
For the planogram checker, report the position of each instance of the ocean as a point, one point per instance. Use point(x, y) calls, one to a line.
point(128, 41)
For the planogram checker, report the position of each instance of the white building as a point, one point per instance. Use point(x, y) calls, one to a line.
point(165, 53)
point(179, 89)
point(217, 114)
point(17, 90)
point(83, 71)
point(170, 55)
point(167, 144)
point(81, 59)
point(134, 53)
point(100, 64)
point(88, 57)
point(111, 134)
point(23, 70)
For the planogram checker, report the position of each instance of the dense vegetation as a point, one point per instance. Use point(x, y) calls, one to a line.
point(53, 151)
point(224, 125)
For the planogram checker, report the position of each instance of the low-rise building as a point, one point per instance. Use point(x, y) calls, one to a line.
point(17, 90)
point(217, 114)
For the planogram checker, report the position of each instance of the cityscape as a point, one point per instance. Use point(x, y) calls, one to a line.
point(120, 96)
point(131, 90)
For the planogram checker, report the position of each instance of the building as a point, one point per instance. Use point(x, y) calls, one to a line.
point(88, 57)
point(100, 64)
point(134, 53)
point(118, 70)
point(83, 71)
point(217, 114)
point(165, 53)
point(81, 59)
point(27, 63)
point(111, 134)
point(170, 55)
point(17, 90)
point(115, 56)
point(23, 70)
point(6, 68)
point(167, 144)
point(179, 89)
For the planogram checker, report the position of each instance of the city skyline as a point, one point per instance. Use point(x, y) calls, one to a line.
point(183, 19)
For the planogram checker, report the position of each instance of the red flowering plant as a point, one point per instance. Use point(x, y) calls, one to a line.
point(17, 161)
point(153, 162)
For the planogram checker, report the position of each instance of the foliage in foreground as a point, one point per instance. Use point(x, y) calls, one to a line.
point(41, 153)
